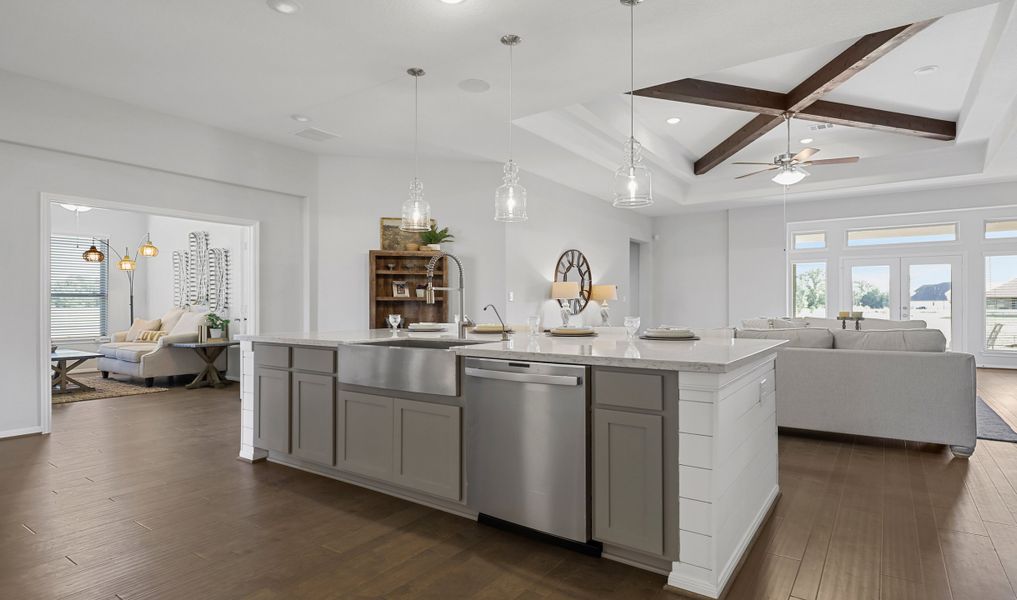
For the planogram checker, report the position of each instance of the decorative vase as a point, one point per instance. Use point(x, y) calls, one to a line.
point(435, 247)
point(214, 333)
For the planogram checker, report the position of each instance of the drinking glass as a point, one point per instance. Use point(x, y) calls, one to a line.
point(632, 326)
point(394, 321)
point(533, 322)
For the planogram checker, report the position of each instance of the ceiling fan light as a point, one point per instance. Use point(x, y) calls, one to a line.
point(790, 175)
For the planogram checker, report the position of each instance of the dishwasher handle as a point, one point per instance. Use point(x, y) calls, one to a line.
point(523, 377)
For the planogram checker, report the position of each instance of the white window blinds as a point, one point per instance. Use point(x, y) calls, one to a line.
point(78, 290)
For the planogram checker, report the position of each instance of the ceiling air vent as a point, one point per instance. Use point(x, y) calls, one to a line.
point(820, 126)
point(318, 135)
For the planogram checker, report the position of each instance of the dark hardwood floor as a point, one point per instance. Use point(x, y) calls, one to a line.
point(142, 497)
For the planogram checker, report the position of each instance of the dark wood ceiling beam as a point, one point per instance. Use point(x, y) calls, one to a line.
point(836, 113)
point(718, 95)
point(848, 63)
point(748, 133)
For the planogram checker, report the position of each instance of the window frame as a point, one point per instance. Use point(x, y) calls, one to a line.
point(939, 243)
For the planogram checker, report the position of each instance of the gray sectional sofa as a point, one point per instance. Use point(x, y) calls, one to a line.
point(899, 384)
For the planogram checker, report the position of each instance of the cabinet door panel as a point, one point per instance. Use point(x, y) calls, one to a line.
point(314, 417)
point(271, 409)
point(628, 480)
point(364, 434)
point(428, 443)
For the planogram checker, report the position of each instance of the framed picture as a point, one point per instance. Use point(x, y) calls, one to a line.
point(393, 238)
point(400, 289)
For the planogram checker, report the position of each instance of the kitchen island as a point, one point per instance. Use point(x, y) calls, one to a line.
point(682, 435)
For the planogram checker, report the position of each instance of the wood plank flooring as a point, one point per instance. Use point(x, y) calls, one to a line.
point(142, 497)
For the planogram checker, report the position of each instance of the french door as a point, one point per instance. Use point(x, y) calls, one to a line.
point(904, 288)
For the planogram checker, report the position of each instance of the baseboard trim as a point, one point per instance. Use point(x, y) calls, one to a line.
point(700, 588)
point(23, 432)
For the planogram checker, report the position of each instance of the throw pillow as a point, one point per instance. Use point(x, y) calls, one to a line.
point(189, 323)
point(140, 325)
point(169, 320)
point(151, 336)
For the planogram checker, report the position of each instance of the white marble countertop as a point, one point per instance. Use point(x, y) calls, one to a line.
point(709, 355)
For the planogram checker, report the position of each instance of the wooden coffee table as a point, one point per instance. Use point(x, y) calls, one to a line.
point(208, 351)
point(64, 361)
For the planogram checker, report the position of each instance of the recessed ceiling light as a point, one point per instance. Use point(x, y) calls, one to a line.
point(474, 86)
point(805, 141)
point(286, 7)
point(926, 70)
point(453, 1)
point(301, 118)
point(674, 120)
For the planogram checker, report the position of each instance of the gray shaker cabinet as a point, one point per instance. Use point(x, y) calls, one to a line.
point(314, 417)
point(364, 434)
point(629, 480)
point(272, 409)
point(428, 442)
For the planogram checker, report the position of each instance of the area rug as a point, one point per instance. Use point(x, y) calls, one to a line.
point(991, 426)
point(105, 388)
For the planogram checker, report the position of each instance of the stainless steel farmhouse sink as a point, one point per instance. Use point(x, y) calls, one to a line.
point(425, 366)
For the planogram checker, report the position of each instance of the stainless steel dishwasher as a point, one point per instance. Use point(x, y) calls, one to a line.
point(527, 458)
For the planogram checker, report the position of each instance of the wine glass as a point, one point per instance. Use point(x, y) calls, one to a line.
point(393, 321)
point(632, 326)
point(533, 323)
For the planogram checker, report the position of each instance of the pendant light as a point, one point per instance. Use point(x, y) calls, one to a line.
point(93, 255)
point(416, 210)
point(510, 197)
point(633, 183)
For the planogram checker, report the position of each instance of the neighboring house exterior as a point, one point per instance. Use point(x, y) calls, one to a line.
point(1002, 297)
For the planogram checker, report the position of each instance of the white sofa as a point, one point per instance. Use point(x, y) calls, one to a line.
point(899, 384)
point(796, 322)
point(149, 360)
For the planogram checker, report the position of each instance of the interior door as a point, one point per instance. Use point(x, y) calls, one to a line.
point(872, 287)
point(929, 283)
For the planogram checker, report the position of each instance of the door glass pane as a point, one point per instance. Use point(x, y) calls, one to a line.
point(870, 290)
point(809, 280)
point(930, 292)
point(1001, 303)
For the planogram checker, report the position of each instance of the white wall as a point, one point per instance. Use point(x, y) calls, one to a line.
point(50, 137)
point(690, 255)
point(498, 258)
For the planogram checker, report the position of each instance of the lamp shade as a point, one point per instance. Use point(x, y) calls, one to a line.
point(565, 290)
point(93, 255)
point(148, 249)
point(606, 291)
point(127, 263)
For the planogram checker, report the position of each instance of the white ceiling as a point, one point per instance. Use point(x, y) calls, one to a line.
point(236, 64)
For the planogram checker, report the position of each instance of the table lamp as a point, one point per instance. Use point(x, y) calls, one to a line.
point(567, 291)
point(602, 293)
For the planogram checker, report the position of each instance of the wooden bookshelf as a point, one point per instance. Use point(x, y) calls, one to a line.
point(410, 267)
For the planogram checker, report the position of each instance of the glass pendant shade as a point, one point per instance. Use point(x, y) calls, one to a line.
point(633, 182)
point(93, 255)
point(127, 263)
point(148, 249)
point(790, 175)
point(510, 197)
point(416, 210)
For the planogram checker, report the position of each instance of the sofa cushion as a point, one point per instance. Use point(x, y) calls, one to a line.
point(799, 337)
point(140, 325)
point(133, 352)
point(109, 349)
point(904, 340)
point(169, 320)
point(867, 324)
point(189, 323)
point(774, 323)
point(152, 336)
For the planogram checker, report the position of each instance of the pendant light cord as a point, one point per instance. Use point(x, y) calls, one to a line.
point(632, 83)
point(416, 126)
point(510, 105)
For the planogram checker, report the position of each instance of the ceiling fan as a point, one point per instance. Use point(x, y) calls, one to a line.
point(789, 167)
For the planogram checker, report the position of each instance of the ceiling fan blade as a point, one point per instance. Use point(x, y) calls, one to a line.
point(755, 173)
point(804, 154)
point(833, 161)
point(751, 163)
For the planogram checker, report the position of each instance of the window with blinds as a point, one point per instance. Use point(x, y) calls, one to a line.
point(78, 290)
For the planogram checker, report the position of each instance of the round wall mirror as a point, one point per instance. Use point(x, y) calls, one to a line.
point(573, 266)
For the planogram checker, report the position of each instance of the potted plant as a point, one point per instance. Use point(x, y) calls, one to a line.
point(434, 237)
point(216, 325)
